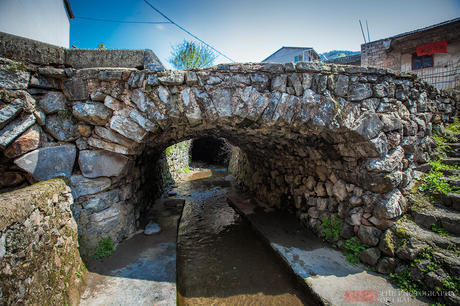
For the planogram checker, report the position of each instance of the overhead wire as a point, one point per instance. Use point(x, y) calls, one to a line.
point(122, 21)
point(186, 31)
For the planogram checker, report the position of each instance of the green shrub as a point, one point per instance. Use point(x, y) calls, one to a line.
point(433, 182)
point(437, 165)
point(169, 150)
point(352, 248)
point(186, 170)
point(104, 248)
point(453, 129)
point(403, 281)
point(330, 228)
point(441, 144)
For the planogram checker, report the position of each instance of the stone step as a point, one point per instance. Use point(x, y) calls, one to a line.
point(323, 269)
point(452, 181)
point(428, 236)
point(454, 150)
point(451, 161)
point(423, 167)
point(453, 153)
point(429, 216)
point(451, 200)
point(454, 146)
point(450, 172)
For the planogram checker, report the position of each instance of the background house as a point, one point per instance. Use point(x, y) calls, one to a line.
point(433, 53)
point(43, 20)
point(292, 54)
point(354, 59)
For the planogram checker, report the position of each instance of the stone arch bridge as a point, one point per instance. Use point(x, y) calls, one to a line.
point(317, 139)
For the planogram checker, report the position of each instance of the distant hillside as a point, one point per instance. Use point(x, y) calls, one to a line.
point(336, 54)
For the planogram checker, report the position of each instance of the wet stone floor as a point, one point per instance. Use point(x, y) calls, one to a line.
point(220, 260)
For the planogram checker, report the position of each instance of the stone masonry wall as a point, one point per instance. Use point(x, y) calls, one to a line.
point(377, 54)
point(320, 139)
point(178, 159)
point(39, 257)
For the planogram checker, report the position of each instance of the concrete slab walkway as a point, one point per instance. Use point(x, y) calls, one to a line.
point(325, 271)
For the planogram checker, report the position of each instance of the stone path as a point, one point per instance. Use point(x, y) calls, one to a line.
point(325, 270)
point(142, 271)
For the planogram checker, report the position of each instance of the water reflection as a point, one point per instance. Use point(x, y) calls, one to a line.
point(219, 259)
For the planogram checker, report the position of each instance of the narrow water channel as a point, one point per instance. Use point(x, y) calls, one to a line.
point(220, 260)
point(217, 260)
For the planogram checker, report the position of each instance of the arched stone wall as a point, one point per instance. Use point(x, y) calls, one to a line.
point(318, 139)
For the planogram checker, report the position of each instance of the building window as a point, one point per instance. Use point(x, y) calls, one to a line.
point(298, 58)
point(423, 61)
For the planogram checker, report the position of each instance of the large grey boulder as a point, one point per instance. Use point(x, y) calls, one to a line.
point(14, 129)
point(53, 102)
point(83, 186)
point(91, 112)
point(62, 127)
point(50, 162)
point(101, 163)
point(14, 79)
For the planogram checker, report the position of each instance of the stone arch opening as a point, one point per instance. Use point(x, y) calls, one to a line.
point(211, 150)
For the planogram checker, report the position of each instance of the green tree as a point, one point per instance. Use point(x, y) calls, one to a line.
point(101, 46)
point(189, 54)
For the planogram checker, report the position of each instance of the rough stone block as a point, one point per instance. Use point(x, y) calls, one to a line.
point(101, 163)
point(53, 102)
point(25, 143)
point(50, 162)
point(10, 111)
point(91, 112)
point(83, 186)
point(127, 128)
point(15, 128)
point(76, 89)
point(62, 127)
point(14, 79)
point(102, 201)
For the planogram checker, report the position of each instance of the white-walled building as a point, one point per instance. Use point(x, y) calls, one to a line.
point(43, 20)
point(292, 54)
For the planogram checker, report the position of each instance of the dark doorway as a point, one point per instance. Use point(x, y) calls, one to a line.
point(211, 150)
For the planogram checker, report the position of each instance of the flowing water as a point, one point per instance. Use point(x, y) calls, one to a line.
point(220, 260)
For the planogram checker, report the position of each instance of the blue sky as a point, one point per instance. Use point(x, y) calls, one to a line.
point(250, 30)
